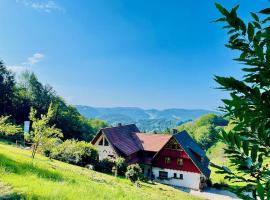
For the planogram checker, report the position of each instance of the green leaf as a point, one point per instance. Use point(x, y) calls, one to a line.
point(254, 152)
point(260, 190)
point(245, 147)
point(260, 158)
point(222, 19)
point(233, 37)
point(268, 53)
point(221, 9)
point(231, 138)
point(237, 140)
point(224, 135)
point(257, 25)
point(250, 31)
point(265, 11)
point(255, 17)
point(259, 52)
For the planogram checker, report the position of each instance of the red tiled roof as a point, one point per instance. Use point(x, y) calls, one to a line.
point(153, 142)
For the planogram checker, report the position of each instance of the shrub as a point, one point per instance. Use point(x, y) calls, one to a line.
point(119, 167)
point(134, 173)
point(76, 152)
point(106, 165)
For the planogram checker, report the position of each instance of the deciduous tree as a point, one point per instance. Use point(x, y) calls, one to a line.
point(248, 143)
point(42, 132)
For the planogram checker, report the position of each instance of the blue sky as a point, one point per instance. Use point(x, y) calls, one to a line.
point(149, 54)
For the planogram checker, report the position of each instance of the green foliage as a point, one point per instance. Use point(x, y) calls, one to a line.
point(71, 122)
point(248, 142)
point(7, 87)
point(134, 172)
point(205, 129)
point(75, 152)
point(42, 132)
point(6, 128)
point(106, 165)
point(120, 166)
point(97, 124)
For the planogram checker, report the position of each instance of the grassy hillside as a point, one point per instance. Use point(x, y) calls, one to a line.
point(44, 179)
point(217, 156)
point(205, 129)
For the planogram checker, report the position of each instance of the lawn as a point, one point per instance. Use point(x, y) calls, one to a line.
point(20, 178)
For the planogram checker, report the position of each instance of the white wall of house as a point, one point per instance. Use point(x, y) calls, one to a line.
point(190, 179)
point(103, 150)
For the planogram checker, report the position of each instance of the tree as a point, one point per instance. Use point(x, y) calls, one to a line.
point(134, 172)
point(7, 84)
point(7, 128)
point(42, 132)
point(97, 124)
point(248, 142)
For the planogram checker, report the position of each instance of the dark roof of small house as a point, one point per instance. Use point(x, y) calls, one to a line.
point(123, 138)
point(153, 142)
point(192, 148)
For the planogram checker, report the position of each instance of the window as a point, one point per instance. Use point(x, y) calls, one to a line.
point(180, 161)
point(167, 160)
point(174, 175)
point(163, 175)
point(181, 176)
point(106, 143)
point(101, 142)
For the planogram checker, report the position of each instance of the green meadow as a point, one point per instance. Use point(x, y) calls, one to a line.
point(20, 178)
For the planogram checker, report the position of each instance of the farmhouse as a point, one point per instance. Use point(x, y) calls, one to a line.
point(175, 160)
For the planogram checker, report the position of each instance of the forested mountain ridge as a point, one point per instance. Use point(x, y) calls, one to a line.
point(145, 119)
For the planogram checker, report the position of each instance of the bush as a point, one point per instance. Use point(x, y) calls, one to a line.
point(119, 167)
point(106, 165)
point(134, 173)
point(76, 152)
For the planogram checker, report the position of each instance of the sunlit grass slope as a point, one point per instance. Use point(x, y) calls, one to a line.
point(44, 179)
point(217, 156)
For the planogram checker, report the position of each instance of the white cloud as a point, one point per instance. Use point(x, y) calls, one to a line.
point(17, 68)
point(34, 59)
point(31, 61)
point(45, 6)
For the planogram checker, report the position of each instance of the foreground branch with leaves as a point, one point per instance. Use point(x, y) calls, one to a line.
point(248, 143)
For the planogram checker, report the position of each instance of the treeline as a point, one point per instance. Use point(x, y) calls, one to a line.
point(19, 95)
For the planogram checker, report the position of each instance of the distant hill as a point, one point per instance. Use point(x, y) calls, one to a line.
point(145, 119)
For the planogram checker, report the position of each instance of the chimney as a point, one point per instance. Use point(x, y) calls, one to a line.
point(119, 124)
point(174, 131)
